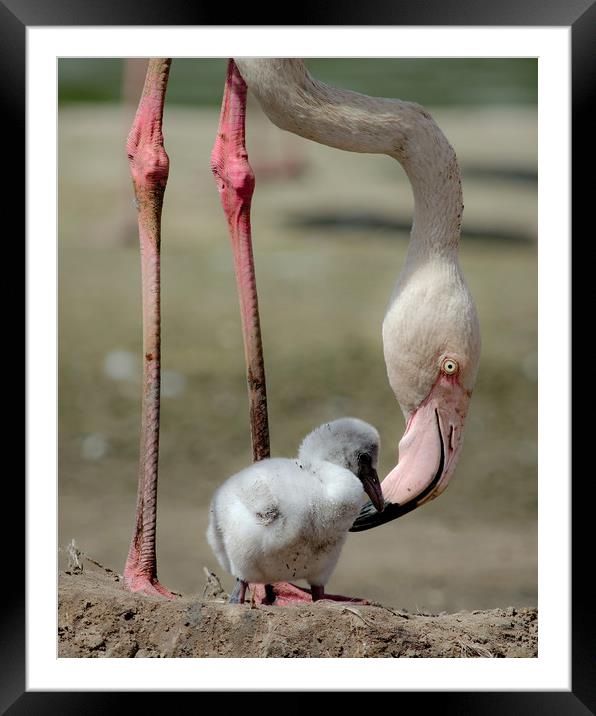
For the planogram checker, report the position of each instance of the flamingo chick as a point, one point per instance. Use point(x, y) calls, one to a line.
point(283, 519)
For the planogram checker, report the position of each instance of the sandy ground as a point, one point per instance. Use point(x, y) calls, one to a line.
point(98, 618)
point(323, 293)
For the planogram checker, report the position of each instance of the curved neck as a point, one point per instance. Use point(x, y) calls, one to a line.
point(298, 103)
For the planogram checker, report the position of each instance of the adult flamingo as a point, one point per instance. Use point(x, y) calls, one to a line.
point(431, 335)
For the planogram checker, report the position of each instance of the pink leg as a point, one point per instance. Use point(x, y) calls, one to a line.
point(133, 78)
point(149, 165)
point(236, 183)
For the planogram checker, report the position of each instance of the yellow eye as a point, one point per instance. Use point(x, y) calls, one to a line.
point(449, 366)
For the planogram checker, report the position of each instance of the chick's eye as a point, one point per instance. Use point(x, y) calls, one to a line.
point(449, 366)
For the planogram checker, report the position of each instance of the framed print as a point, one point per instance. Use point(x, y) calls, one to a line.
point(81, 247)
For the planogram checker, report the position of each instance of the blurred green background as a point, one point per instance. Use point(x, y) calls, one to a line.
point(428, 81)
point(330, 233)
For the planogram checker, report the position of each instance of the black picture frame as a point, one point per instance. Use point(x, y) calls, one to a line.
point(580, 16)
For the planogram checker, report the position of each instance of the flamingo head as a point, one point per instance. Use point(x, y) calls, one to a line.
point(431, 342)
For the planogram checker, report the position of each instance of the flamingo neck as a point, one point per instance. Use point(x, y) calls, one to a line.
point(298, 103)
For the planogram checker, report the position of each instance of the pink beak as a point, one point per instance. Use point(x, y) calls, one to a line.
point(428, 453)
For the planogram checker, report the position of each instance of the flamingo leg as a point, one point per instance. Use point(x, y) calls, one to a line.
point(237, 596)
point(149, 166)
point(133, 78)
point(236, 182)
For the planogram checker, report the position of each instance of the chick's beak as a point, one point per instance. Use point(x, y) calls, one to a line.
point(370, 483)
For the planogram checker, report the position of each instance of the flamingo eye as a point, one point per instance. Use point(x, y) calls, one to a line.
point(449, 366)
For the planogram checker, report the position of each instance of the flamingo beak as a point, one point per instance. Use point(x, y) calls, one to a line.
point(428, 453)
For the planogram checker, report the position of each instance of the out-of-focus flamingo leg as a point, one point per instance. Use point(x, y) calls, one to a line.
point(149, 166)
point(236, 182)
point(134, 71)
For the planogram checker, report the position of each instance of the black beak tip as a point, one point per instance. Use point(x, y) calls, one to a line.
point(376, 497)
point(372, 487)
point(379, 503)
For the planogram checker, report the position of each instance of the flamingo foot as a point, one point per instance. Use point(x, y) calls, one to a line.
point(148, 586)
point(142, 578)
point(285, 594)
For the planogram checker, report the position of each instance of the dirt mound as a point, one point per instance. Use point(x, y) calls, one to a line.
point(98, 618)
